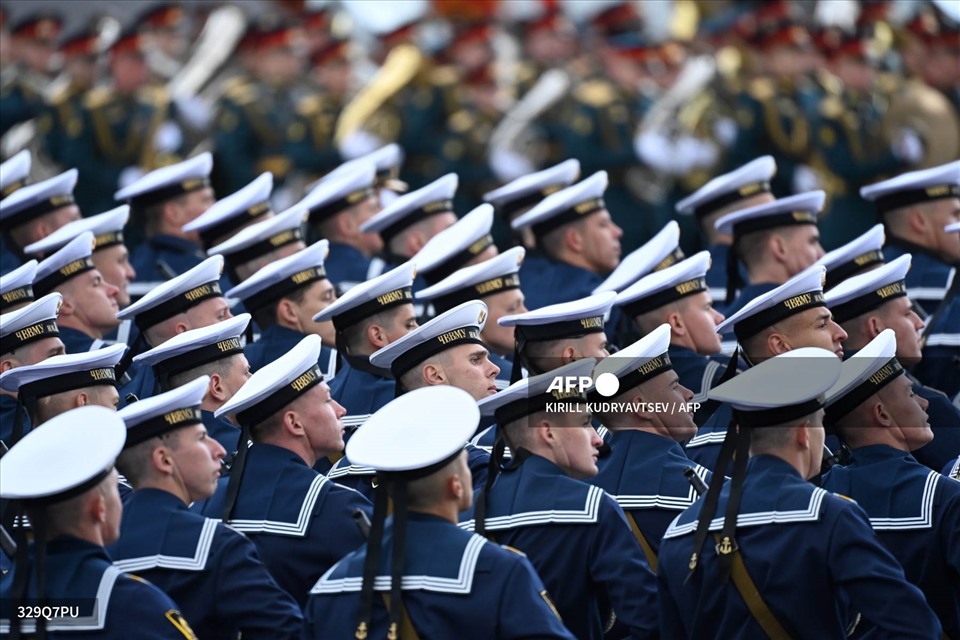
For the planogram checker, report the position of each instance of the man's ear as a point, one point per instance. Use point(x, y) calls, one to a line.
point(777, 246)
point(568, 355)
point(97, 507)
point(162, 460)
point(874, 326)
point(286, 313)
point(215, 388)
point(573, 239)
point(6, 364)
point(181, 327)
point(917, 221)
point(677, 325)
point(777, 343)
point(67, 308)
point(802, 436)
point(433, 374)
point(881, 415)
point(291, 423)
point(81, 400)
point(377, 336)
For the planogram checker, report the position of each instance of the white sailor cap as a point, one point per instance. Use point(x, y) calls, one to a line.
point(401, 437)
point(915, 187)
point(68, 262)
point(686, 278)
point(952, 227)
point(456, 245)
point(168, 182)
point(782, 389)
point(283, 277)
point(864, 293)
point(277, 384)
point(164, 412)
point(177, 295)
point(863, 374)
point(386, 161)
point(386, 291)
point(661, 251)
point(803, 208)
point(16, 287)
point(531, 189)
point(564, 320)
point(530, 395)
point(14, 173)
point(197, 347)
point(36, 321)
point(431, 200)
point(340, 190)
point(460, 325)
point(73, 452)
point(58, 374)
point(385, 17)
point(740, 184)
point(801, 292)
point(499, 273)
point(566, 206)
point(262, 237)
point(858, 255)
point(35, 200)
point(107, 229)
point(228, 215)
point(644, 359)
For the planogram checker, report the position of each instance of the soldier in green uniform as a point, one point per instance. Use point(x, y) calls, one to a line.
point(22, 84)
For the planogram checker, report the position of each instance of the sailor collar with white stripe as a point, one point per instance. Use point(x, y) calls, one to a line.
point(196, 347)
point(456, 246)
point(864, 374)
point(16, 287)
point(260, 238)
point(164, 412)
point(168, 182)
point(107, 229)
point(915, 187)
point(660, 288)
point(177, 295)
point(69, 262)
point(32, 201)
point(745, 182)
point(566, 206)
point(228, 215)
point(857, 256)
point(529, 190)
point(339, 191)
point(660, 252)
point(803, 208)
point(15, 173)
point(864, 293)
point(59, 374)
point(408, 209)
point(282, 277)
point(477, 281)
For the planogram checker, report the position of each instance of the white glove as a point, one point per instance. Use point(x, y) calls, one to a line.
point(805, 179)
point(129, 175)
point(908, 146)
point(359, 143)
point(694, 153)
point(510, 165)
point(655, 150)
point(168, 138)
point(195, 113)
point(725, 131)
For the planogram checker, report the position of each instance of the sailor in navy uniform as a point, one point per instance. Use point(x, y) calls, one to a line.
point(339, 204)
point(952, 469)
point(453, 583)
point(301, 522)
point(575, 535)
point(89, 308)
point(497, 283)
point(679, 296)
point(63, 474)
point(865, 305)
point(214, 352)
point(863, 253)
point(161, 202)
point(645, 471)
point(227, 216)
point(16, 287)
point(366, 318)
point(768, 554)
point(409, 222)
point(110, 256)
point(262, 243)
point(15, 173)
point(517, 197)
point(577, 244)
point(27, 336)
point(283, 298)
point(33, 212)
point(188, 301)
point(928, 199)
point(774, 241)
point(210, 568)
point(747, 186)
point(793, 315)
point(914, 510)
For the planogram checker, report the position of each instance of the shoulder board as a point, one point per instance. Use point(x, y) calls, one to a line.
point(762, 89)
point(596, 93)
point(847, 498)
point(98, 97)
point(831, 107)
point(513, 549)
point(444, 75)
point(153, 95)
point(240, 91)
point(62, 94)
point(462, 121)
point(309, 105)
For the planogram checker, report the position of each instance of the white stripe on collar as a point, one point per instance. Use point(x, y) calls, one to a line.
point(943, 340)
point(343, 470)
point(94, 622)
point(955, 470)
point(706, 381)
point(810, 513)
point(295, 529)
point(462, 584)
point(662, 502)
point(710, 437)
point(587, 515)
point(196, 563)
point(922, 521)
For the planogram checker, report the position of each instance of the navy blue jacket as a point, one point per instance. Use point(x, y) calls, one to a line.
point(221, 430)
point(346, 266)
point(275, 341)
point(161, 252)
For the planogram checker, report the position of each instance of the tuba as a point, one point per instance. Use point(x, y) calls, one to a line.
point(926, 111)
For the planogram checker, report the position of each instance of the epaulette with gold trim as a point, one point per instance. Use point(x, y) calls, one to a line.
point(595, 93)
point(240, 91)
point(832, 107)
point(462, 121)
point(98, 97)
point(153, 95)
point(762, 89)
point(513, 549)
point(847, 498)
point(444, 75)
point(309, 105)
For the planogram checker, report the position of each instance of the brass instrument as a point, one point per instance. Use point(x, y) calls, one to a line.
point(926, 111)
